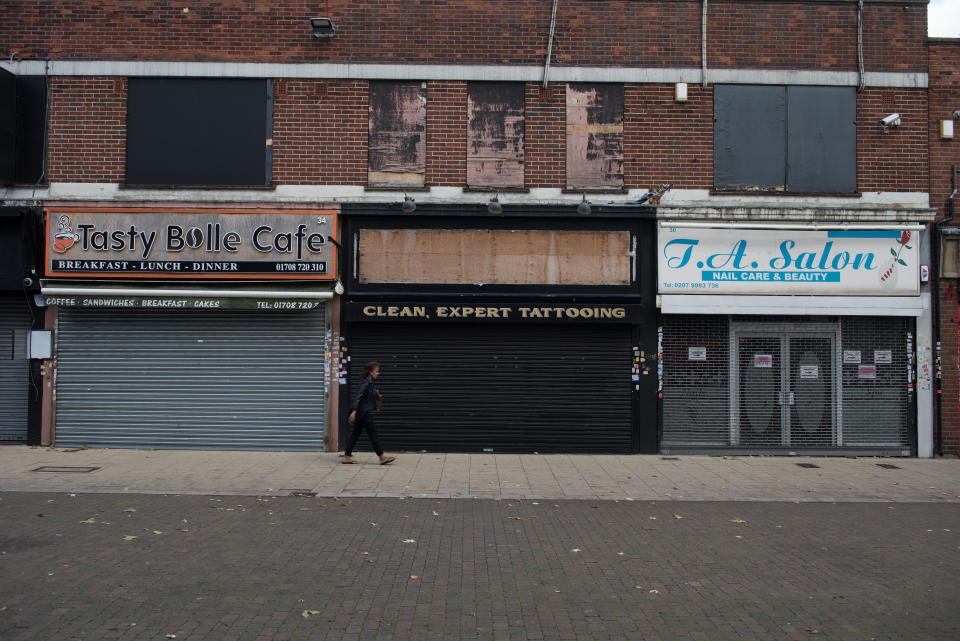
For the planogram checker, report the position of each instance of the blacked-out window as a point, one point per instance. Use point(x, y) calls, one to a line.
point(397, 151)
point(790, 139)
point(23, 122)
point(594, 135)
point(495, 134)
point(199, 131)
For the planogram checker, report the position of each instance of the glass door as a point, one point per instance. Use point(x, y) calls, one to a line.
point(786, 388)
point(811, 384)
point(761, 391)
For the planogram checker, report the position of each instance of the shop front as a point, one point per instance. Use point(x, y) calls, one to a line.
point(205, 329)
point(780, 339)
point(507, 334)
point(19, 316)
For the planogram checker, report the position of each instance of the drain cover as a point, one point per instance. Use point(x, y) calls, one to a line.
point(888, 466)
point(669, 458)
point(52, 468)
point(307, 493)
point(808, 465)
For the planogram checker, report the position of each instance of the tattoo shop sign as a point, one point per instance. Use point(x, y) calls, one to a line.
point(191, 244)
point(773, 261)
point(482, 311)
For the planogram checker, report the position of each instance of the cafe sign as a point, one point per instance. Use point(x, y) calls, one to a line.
point(191, 244)
point(726, 260)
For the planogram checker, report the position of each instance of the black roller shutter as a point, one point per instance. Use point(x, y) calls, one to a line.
point(473, 388)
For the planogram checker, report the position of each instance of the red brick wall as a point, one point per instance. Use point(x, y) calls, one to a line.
point(87, 129)
point(546, 126)
point(897, 160)
point(751, 33)
point(321, 129)
point(944, 100)
point(447, 133)
point(320, 132)
point(665, 141)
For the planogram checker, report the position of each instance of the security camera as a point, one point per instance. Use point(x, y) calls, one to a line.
point(893, 120)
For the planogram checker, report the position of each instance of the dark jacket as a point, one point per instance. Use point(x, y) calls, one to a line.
point(366, 399)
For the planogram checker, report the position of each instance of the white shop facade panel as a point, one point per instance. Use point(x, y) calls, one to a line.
point(191, 329)
point(791, 339)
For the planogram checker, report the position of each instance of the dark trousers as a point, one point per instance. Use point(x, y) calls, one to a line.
point(365, 422)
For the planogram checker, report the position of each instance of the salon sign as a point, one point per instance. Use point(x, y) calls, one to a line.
point(874, 262)
point(191, 244)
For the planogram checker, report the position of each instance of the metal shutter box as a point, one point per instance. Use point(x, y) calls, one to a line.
point(14, 373)
point(191, 379)
point(471, 388)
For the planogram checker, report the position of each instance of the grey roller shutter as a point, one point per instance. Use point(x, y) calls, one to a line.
point(191, 379)
point(543, 388)
point(14, 372)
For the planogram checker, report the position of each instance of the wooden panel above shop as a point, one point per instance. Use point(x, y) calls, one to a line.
point(505, 257)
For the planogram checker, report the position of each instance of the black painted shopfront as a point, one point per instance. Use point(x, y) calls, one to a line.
point(564, 366)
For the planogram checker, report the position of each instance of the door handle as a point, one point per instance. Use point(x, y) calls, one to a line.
point(793, 398)
point(780, 398)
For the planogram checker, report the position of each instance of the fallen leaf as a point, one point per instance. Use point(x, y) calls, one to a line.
point(90, 520)
point(130, 509)
point(677, 516)
point(654, 591)
point(307, 613)
point(576, 550)
point(409, 541)
point(435, 513)
point(737, 521)
point(414, 576)
point(157, 532)
point(129, 537)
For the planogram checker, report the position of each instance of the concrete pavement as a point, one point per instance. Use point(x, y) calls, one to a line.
point(435, 475)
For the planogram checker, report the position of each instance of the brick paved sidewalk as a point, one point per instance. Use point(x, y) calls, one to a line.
point(484, 475)
point(149, 567)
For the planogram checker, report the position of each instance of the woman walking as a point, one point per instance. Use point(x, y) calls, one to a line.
point(365, 405)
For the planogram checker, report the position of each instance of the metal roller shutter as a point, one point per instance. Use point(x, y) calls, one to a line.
point(14, 373)
point(506, 388)
point(191, 379)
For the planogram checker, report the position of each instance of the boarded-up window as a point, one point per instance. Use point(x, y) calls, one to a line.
point(397, 154)
point(495, 134)
point(794, 139)
point(23, 120)
point(494, 256)
point(594, 135)
point(199, 131)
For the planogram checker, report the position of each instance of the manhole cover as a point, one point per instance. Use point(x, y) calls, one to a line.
point(53, 468)
point(888, 466)
point(808, 465)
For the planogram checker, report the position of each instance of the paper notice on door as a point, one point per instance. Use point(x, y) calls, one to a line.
point(851, 356)
point(763, 360)
point(809, 371)
point(882, 356)
point(867, 371)
point(696, 353)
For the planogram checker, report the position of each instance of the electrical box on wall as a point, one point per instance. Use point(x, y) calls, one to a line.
point(946, 129)
point(41, 344)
